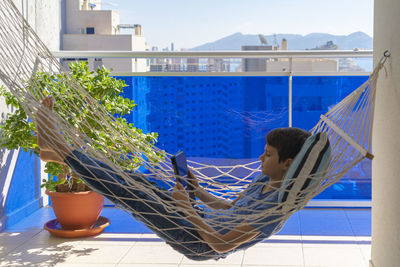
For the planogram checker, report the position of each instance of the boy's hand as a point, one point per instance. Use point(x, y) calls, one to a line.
point(192, 180)
point(180, 196)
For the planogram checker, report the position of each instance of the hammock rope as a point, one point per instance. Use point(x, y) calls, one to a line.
point(22, 54)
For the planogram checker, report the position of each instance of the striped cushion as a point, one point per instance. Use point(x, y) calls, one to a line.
point(313, 158)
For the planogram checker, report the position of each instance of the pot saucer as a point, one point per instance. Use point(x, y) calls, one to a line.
point(54, 228)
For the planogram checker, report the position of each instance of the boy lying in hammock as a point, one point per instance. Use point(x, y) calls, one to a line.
point(189, 234)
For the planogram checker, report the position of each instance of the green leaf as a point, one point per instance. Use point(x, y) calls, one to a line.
point(18, 131)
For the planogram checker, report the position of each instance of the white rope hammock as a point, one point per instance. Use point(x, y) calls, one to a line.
point(348, 126)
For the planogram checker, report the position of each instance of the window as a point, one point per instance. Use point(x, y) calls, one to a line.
point(98, 63)
point(90, 30)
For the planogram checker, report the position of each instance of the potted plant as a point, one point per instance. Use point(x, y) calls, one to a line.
point(62, 186)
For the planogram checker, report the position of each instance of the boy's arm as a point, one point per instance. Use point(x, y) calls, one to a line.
point(213, 201)
point(218, 242)
point(209, 199)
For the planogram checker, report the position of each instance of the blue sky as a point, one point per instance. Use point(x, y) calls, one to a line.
point(192, 23)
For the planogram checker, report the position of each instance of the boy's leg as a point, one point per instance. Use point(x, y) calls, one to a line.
point(178, 232)
point(97, 174)
point(172, 227)
point(50, 156)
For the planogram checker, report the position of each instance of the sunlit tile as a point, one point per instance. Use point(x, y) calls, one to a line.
point(210, 265)
point(331, 246)
point(5, 249)
point(294, 245)
point(70, 264)
point(152, 254)
point(147, 265)
point(9, 241)
point(31, 254)
point(17, 237)
point(45, 238)
point(333, 257)
point(150, 240)
point(267, 265)
point(98, 253)
point(328, 238)
point(365, 251)
point(112, 239)
point(273, 256)
point(125, 245)
point(230, 260)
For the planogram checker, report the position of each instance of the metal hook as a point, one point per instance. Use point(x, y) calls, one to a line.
point(385, 56)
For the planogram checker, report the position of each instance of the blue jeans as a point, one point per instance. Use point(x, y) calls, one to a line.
point(144, 208)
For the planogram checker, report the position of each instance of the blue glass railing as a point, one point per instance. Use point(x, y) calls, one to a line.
point(224, 117)
point(313, 96)
point(215, 109)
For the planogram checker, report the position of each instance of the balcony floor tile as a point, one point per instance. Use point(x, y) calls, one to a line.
point(311, 237)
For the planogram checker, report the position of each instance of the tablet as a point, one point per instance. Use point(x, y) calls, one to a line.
point(181, 170)
point(179, 164)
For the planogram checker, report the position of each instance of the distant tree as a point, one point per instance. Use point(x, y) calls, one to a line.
point(330, 45)
point(262, 39)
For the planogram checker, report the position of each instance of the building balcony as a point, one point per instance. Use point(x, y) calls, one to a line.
point(213, 110)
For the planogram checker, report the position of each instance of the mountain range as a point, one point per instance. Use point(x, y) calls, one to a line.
point(295, 41)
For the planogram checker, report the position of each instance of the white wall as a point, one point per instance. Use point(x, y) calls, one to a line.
point(94, 42)
point(386, 142)
point(48, 22)
point(106, 37)
point(104, 21)
point(306, 65)
point(44, 16)
point(119, 42)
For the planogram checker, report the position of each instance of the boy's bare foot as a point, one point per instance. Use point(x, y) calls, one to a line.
point(45, 125)
point(52, 144)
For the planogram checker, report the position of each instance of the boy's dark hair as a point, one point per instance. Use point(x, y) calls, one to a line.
point(288, 141)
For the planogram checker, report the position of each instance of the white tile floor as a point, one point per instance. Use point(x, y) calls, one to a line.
point(311, 237)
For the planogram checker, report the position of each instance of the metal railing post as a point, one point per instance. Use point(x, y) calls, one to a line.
point(290, 92)
point(136, 64)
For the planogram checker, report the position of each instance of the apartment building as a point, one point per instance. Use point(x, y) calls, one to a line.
point(89, 28)
point(283, 64)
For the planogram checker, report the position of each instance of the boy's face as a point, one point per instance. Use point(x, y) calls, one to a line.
point(270, 163)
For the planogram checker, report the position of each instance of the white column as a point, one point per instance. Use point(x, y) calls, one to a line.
point(48, 22)
point(386, 139)
point(44, 16)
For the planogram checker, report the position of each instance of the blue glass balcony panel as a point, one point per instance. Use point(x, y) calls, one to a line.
point(210, 117)
point(313, 96)
point(225, 119)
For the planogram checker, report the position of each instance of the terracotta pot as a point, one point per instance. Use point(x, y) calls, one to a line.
point(76, 210)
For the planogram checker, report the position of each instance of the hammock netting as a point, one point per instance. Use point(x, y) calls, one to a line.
point(348, 126)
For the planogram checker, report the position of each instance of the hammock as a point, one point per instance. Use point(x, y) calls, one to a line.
point(345, 131)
